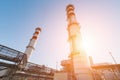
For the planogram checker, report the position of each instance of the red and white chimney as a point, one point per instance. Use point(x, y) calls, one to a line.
point(30, 47)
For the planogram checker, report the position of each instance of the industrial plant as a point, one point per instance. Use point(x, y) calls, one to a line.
point(14, 64)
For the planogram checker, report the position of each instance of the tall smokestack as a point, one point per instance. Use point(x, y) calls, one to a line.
point(30, 47)
point(80, 66)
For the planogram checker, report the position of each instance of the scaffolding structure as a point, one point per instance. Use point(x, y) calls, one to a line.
point(14, 66)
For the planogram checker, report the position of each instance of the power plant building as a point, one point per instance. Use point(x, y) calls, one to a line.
point(79, 66)
point(14, 64)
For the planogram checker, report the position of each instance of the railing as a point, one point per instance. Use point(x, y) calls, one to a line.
point(38, 69)
point(10, 57)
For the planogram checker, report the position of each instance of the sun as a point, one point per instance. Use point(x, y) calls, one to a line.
point(87, 46)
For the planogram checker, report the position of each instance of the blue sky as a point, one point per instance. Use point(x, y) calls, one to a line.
point(99, 20)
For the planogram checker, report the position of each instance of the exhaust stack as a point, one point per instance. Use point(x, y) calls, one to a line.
point(30, 47)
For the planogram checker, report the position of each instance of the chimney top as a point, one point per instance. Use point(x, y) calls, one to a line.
point(38, 28)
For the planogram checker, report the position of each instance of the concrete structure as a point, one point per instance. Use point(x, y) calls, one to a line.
point(61, 76)
point(32, 42)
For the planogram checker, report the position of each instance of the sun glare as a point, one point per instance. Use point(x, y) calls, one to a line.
point(87, 46)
